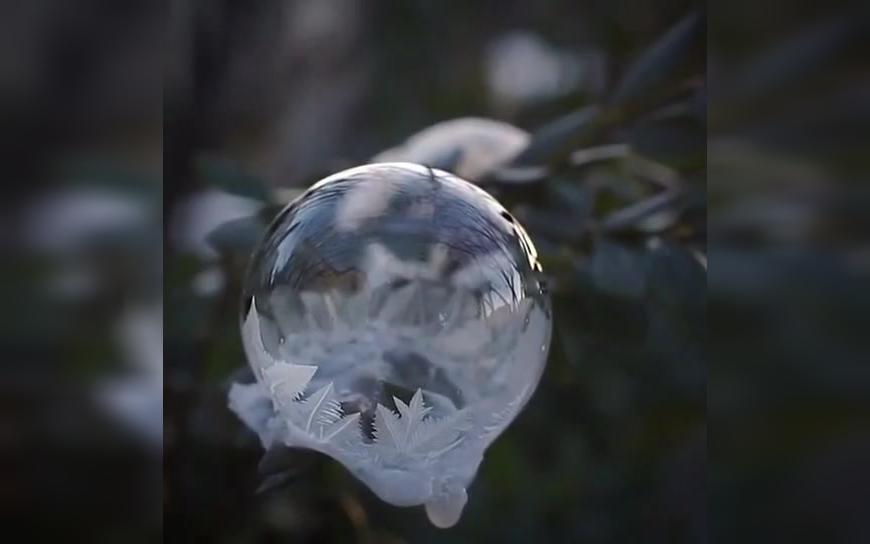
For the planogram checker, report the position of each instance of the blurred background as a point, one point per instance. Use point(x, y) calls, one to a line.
point(148, 143)
point(788, 286)
point(599, 151)
point(81, 373)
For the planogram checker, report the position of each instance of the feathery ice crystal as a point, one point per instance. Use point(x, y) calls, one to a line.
point(395, 320)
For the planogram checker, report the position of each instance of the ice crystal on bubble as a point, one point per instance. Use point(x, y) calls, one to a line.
point(395, 319)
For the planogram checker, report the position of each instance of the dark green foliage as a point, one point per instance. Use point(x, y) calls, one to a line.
point(647, 78)
point(238, 236)
point(557, 139)
point(612, 447)
point(227, 175)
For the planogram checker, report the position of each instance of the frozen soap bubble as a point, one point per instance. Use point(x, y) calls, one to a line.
point(395, 320)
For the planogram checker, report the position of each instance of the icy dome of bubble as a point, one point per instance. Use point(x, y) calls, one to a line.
point(395, 320)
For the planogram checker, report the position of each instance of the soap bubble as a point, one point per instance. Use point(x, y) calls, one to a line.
point(395, 319)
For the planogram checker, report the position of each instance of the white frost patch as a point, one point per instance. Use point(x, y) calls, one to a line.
point(481, 145)
point(202, 213)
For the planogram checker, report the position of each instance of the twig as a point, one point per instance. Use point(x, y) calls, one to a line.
point(631, 215)
point(599, 153)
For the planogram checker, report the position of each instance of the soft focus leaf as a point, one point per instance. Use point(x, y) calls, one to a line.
point(553, 142)
point(678, 142)
point(617, 270)
point(678, 282)
point(229, 176)
point(238, 236)
point(579, 200)
point(560, 227)
point(788, 61)
point(632, 216)
point(656, 67)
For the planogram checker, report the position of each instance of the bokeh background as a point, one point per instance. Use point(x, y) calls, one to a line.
point(146, 143)
point(81, 270)
point(271, 96)
point(788, 285)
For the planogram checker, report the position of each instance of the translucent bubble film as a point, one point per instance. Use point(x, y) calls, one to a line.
point(395, 319)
